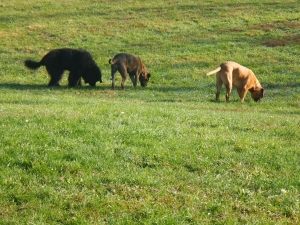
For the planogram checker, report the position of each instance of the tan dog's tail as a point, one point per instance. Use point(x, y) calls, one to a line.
point(214, 71)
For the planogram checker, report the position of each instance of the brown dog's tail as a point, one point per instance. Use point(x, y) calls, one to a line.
point(214, 71)
point(111, 62)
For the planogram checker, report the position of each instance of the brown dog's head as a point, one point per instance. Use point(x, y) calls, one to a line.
point(257, 95)
point(144, 76)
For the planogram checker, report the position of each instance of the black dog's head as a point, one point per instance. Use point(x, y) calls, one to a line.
point(93, 75)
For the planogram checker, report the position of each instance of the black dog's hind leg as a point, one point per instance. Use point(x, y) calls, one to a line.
point(79, 82)
point(55, 75)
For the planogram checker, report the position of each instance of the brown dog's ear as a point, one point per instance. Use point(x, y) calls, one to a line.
point(149, 75)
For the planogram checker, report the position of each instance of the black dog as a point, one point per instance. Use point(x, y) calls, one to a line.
point(79, 62)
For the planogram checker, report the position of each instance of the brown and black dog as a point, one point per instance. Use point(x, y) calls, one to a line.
point(233, 74)
point(126, 63)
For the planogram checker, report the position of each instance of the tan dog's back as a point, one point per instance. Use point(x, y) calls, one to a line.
point(238, 71)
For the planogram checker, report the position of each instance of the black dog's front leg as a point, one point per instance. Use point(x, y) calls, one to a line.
point(74, 79)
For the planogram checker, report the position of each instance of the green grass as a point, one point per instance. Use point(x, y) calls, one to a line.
point(165, 154)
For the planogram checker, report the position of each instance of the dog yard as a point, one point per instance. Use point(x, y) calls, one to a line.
point(167, 153)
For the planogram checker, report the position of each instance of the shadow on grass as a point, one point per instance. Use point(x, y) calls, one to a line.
point(23, 86)
point(45, 87)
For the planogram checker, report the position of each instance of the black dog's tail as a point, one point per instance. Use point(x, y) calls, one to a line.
point(32, 64)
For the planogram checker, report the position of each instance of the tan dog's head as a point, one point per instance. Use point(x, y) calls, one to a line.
point(257, 95)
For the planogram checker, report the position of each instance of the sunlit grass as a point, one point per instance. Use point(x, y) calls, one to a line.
point(166, 154)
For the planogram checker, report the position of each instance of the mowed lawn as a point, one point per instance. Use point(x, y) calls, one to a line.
point(164, 154)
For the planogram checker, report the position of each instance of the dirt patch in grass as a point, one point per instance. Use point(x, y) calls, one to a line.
point(285, 40)
point(268, 27)
point(290, 39)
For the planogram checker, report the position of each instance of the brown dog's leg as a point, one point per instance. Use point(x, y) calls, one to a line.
point(123, 82)
point(123, 73)
point(136, 80)
point(133, 80)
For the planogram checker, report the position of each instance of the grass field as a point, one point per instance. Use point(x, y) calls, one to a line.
point(165, 154)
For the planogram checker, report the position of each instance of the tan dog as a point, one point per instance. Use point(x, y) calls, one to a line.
point(233, 74)
point(126, 63)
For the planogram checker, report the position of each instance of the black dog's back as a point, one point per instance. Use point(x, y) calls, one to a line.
point(58, 57)
point(79, 62)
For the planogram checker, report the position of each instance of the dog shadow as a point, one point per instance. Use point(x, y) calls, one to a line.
point(13, 86)
point(24, 87)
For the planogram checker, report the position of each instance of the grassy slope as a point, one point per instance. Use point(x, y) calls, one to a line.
point(165, 154)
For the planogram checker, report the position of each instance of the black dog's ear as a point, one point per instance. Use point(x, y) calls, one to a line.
point(149, 75)
point(263, 92)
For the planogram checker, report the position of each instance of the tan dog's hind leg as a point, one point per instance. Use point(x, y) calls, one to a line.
point(227, 80)
point(219, 84)
point(228, 91)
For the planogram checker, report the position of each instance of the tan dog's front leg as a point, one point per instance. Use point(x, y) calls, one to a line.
point(242, 93)
point(227, 96)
